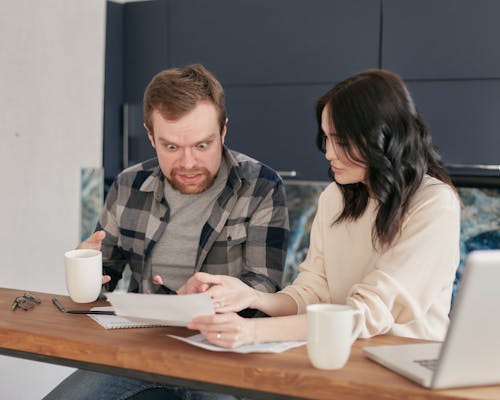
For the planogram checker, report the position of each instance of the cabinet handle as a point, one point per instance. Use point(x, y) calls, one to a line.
point(125, 135)
point(488, 167)
point(287, 174)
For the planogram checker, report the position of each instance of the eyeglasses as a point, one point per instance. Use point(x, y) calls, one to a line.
point(26, 302)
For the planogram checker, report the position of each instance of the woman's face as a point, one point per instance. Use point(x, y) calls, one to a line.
point(346, 170)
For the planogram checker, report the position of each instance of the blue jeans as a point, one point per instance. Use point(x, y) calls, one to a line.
point(86, 385)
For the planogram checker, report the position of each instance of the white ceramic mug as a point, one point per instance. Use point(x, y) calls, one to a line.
point(330, 334)
point(83, 274)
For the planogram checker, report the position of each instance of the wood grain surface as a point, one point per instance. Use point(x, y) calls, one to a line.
point(44, 333)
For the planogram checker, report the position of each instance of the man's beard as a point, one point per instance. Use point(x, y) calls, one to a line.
point(178, 184)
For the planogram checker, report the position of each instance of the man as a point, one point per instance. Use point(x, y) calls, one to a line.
point(197, 206)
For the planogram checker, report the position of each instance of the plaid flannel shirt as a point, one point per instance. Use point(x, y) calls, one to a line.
point(245, 236)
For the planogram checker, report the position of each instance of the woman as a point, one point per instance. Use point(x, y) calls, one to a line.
point(385, 239)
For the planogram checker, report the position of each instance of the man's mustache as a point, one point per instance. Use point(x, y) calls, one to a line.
point(194, 171)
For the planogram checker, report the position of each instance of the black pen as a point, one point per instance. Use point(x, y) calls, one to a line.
point(62, 309)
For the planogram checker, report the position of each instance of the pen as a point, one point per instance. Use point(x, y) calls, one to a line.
point(90, 312)
point(60, 307)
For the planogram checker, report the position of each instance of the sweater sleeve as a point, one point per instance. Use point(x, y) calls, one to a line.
point(411, 276)
point(112, 257)
point(311, 285)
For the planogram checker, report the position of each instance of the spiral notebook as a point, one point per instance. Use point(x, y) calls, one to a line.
point(119, 322)
point(135, 310)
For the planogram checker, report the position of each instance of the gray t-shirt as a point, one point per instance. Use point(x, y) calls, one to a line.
point(174, 256)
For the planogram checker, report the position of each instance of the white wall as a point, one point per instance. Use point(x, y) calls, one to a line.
point(51, 106)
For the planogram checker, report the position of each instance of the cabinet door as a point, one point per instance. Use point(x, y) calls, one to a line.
point(276, 125)
point(145, 45)
point(429, 39)
point(462, 117)
point(137, 147)
point(275, 41)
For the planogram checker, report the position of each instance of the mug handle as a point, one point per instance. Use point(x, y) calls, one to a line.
point(356, 331)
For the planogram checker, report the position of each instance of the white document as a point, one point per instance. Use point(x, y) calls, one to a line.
point(166, 309)
point(271, 347)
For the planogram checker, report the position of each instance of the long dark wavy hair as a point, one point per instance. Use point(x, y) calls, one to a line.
point(378, 126)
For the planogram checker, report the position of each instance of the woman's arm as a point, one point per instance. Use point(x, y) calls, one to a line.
point(229, 294)
point(274, 304)
point(408, 293)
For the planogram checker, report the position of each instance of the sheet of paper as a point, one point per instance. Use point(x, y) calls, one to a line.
point(271, 347)
point(175, 310)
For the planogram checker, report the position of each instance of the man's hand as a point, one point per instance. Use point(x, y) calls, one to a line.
point(192, 285)
point(94, 242)
point(228, 293)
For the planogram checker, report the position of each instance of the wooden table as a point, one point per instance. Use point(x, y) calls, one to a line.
point(45, 334)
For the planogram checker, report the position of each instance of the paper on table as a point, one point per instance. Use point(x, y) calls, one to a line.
point(271, 347)
point(174, 310)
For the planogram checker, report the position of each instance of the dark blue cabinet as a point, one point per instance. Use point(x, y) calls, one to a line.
point(463, 118)
point(275, 42)
point(448, 52)
point(444, 39)
point(145, 50)
point(275, 57)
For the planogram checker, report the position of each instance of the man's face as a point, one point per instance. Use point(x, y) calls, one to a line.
point(189, 150)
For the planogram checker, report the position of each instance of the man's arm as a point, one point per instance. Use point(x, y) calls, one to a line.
point(113, 259)
point(267, 241)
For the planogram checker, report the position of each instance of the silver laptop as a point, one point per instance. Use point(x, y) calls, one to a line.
point(470, 353)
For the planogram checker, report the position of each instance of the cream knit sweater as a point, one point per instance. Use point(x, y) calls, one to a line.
point(404, 291)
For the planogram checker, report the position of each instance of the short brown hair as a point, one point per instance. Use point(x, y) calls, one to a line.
point(174, 92)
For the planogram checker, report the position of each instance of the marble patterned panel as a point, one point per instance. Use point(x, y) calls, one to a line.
point(92, 199)
point(302, 201)
point(480, 222)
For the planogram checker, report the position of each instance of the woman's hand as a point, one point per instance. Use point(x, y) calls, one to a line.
point(225, 330)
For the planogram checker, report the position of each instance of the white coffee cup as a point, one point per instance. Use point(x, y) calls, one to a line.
point(330, 334)
point(83, 274)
